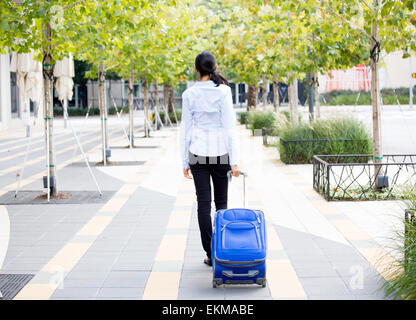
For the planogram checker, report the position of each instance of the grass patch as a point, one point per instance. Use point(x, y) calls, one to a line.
point(349, 98)
point(402, 272)
point(333, 132)
point(242, 117)
point(260, 119)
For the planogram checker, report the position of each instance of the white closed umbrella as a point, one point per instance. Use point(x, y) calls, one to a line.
point(33, 82)
point(29, 82)
point(64, 72)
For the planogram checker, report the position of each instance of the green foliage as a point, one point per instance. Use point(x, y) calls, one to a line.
point(171, 115)
point(260, 119)
point(113, 110)
point(93, 111)
point(81, 67)
point(402, 272)
point(333, 131)
point(286, 114)
point(76, 111)
point(242, 117)
point(364, 192)
point(348, 97)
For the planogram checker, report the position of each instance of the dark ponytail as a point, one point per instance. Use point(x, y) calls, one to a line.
point(205, 63)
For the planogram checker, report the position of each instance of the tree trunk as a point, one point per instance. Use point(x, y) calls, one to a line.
point(48, 110)
point(375, 102)
point(316, 96)
point(165, 101)
point(157, 114)
point(251, 97)
point(131, 107)
point(103, 111)
point(146, 107)
point(168, 96)
point(293, 101)
point(171, 98)
point(311, 98)
point(264, 92)
point(276, 102)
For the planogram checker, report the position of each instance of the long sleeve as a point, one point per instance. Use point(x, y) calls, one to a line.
point(185, 135)
point(228, 119)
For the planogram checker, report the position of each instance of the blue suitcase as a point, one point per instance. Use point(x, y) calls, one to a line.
point(238, 245)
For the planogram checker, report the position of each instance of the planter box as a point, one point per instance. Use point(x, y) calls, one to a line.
point(303, 151)
point(353, 177)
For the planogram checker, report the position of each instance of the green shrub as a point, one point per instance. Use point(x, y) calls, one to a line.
point(260, 119)
point(286, 114)
point(113, 110)
point(402, 272)
point(171, 115)
point(332, 131)
point(349, 97)
point(76, 111)
point(178, 115)
point(242, 117)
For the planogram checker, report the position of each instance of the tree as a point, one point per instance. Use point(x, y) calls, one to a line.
point(105, 27)
point(48, 28)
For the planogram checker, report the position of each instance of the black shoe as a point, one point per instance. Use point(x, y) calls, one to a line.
point(208, 261)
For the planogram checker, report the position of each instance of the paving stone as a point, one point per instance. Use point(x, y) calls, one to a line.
point(126, 279)
point(246, 292)
point(202, 293)
point(324, 286)
point(121, 293)
point(83, 283)
point(79, 293)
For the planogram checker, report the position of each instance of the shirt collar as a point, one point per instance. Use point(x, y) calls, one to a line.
point(208, 83)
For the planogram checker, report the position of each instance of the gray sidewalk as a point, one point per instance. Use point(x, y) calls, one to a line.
point(142, 242)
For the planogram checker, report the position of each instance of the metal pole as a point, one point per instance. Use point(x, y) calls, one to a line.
point(65, 112)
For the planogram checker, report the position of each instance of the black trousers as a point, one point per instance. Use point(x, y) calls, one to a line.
point(203, 170)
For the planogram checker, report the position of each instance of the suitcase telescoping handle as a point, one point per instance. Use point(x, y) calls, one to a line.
point(244, 175)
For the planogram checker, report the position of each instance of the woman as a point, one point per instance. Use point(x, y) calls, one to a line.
point(208, 142)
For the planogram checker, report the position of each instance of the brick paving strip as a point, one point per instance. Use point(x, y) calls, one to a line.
point(43, 285)
point(163, 282)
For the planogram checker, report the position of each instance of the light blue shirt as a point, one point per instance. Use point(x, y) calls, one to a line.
point(208, 122)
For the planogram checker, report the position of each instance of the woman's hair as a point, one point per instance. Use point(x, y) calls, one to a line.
point(205, 63)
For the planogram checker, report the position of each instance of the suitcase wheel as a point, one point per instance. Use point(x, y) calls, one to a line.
point(216, 282)
point(262, 282)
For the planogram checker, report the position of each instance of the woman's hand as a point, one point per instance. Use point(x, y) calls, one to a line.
point(235, 171)
point(186, 173)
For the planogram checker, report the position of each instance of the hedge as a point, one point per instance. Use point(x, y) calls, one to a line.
point(333, 131)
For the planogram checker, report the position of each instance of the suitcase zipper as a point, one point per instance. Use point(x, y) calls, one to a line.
point(258, 218)
point(257, 233)
point(258, 236)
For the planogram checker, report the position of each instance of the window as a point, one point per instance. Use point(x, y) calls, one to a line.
point(14, 94)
